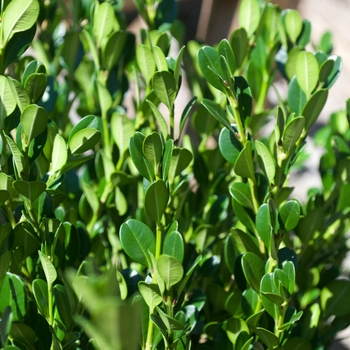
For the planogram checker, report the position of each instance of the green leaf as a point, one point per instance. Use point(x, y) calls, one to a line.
point(186, 113)
point(307, 71)
point(296, 97)
point(104, 21)
point(23, 334)
point(166, 161)
point(217, 113)
point(177, 70)
point(113, 48)
point(63, 309)
point(244, 216)
point(151, 294)
point(170, 269)
point(19, 15)
point(253, 268)
point(249, 15)
point(17, 156)
point(137, 240)
point(314, 107)
point(291, 134)
point(164, 86)
point(174, 245)
point(229, 145)
point(7, 100)
point(152, 149)
point(49, 269)
point(332, 78)
point(263, 225)
point(268, 338)
point(19, 93)
point(209, 63)
point(84, 140)
point(267, 162)
point(267, 286)
point(245, 242)
point(35, 86)
point(289, 270)
point(5, 325)
point(241, 193)
point(333, 298)
point(290, 214)
point(188, 274)
point(34, 120)
point(240, 43)
point(326, 69)
point(226, 51)
point(244, 97)
point(156, 200)
point(297, 343)
point(235, 326)
point(290, 66)
point(30, 190)
point(145, 62)
point(13, 294)
point(122, 130)
point(180, 159)
point(294, 24)
point(244, 165)
point(59, 154)
point(144, 167)
point(170, 323)
point(159, 58)
point(40, 291)
point(163, 126)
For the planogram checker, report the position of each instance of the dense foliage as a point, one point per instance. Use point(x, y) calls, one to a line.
point(126, 223)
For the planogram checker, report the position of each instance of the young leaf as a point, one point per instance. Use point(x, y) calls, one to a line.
point(249, 15)
point(209, 63)
point(159, 58)
point(151, 294)
point(49, 269)
point(137, 240)
point(156, 200)
point(170, 269)
point(122, 130)
point(263, 224)
point(293, 23)
point(40, 292)
point(307, 71)
point(17, 156)
point(240, 43)
point(292, 133)
point(296, 97)
point(314, 107)
point(152, 149)
point(104, 21)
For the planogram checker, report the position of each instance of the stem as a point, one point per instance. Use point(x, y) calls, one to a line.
point(259, 107)
point(158, 241)
point(253, 193)
point(238, 119)
point(171, 119)
point(149, 334)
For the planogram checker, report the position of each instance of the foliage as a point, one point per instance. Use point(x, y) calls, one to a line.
point(122, 227)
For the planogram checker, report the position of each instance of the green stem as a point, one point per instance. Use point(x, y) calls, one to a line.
point(149, 334)
point(238, 119)
point(254, 196)
point(260, 103)
point(171, 119)
point(158, 241)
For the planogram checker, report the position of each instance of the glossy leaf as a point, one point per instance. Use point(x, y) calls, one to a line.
point(59, 153)
point(33, 120)
point(159, 58)
point(267, 161)
point(180, 159)
point(145, 61)
point(30, 190)
point(241, 193)
point(240, 43)
point(122, 130)
point(164, 86)
point(113, 48)
point(253, 269)
point(163, 126)
point(267, 286)
point(296, 97)
point(152, 149)
point(297, 343)
point(333, 76)
point(13, 294)
point(151, 294)
point(229, 145)
point(292, 133)
point(245, 242)
point(8, 102)
point(314, 107)
point(84, 140)
point(217, 113)
point(307, 71)
point(244, 165)
point(104, 21)
point(290, 214)
point(263, 225)
point(268, 338)
point(49, 269)
point(40, 291)
point(137, 240)
point(156, 200)
point(170, 269)
point(19, 16)
point(235, 326)
point(174, 245)
point(209, 63)
point(244, 97)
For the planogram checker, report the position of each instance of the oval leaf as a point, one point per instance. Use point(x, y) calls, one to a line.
point(170, 269)
point(156, 200)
